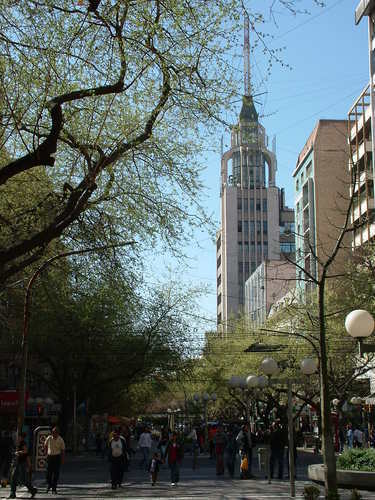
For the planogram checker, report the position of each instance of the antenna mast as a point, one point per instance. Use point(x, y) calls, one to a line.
point(246, 55)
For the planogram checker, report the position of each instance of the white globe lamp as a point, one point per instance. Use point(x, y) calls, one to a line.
point(252, 381)
point(309, 366)
point(359, 323)
point(269, 367)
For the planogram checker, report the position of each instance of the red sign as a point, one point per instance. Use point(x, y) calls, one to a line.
point(9, 401)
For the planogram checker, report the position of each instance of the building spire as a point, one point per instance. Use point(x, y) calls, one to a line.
point(246, 56)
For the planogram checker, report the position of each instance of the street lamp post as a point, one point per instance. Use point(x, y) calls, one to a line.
point(271, 368)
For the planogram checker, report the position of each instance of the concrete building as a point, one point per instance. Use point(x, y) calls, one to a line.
point(362, 141)
point(268, 284)
point(252, 206)
point(252, 212)
point(321, 182)
point(361, 169)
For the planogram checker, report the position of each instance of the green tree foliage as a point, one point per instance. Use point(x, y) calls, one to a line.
point(112, 99)
point(102, 338)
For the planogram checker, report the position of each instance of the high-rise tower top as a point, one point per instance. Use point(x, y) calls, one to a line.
point(248, 112)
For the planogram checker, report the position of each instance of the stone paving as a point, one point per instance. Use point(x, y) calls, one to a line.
point(87, 477)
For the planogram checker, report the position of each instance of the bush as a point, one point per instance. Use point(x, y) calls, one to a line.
point(311, 492)
point(362, 459)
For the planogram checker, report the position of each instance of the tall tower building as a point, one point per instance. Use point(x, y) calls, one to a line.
point(251, 205)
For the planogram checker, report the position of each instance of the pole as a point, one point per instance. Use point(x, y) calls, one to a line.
point(205, 426)
point(291, 441)
point(74, 420)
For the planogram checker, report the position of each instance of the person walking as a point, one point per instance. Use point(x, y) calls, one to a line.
point(144, 445)
point(277, 446)
point(55, 448)
point(358, 438)
point(230, 452)
point(193, 436)
point(174, 452)
point(117, 458)
point(22, 468)
point(6, 445)
point(349, 435)
point(244, 444)
point(220, 441)
point(154, 467)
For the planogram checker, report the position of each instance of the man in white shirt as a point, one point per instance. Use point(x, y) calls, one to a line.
point(144, 445)
point(55, 448)
point(117, 458)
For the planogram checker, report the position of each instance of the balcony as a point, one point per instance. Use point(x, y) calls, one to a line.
point(362, 208)
point(364, 147)
point(365, 175)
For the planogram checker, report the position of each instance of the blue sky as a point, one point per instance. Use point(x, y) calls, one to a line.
point(328, 55)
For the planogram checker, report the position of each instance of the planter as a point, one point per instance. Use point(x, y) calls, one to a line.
point(351, 479)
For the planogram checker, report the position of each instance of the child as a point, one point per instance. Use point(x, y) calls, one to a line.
point(154, 467)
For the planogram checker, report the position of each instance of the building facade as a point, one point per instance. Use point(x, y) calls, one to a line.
point(268, 284)
point(321, 180)
point(251, 208)
point(361, 169)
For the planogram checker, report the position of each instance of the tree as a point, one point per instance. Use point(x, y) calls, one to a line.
point(111, 99)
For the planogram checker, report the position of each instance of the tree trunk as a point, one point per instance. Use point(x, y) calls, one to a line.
point(328, 449)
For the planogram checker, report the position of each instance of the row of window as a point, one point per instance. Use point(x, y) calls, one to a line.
point(246, 203)
point(247, 226)
point(287, 247)
point(301, 179)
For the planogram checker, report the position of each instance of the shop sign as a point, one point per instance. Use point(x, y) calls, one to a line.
point(9, 402)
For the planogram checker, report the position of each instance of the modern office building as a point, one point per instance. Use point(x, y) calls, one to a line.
point(321, 180)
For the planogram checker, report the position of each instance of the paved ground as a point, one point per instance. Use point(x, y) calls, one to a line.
point(87, 477)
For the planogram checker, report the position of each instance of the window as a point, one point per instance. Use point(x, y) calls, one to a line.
point(218, 264)
point(218, 243)
point(245, 204)
point(247, 269)
point(264, 204)
point(297, 185)
point(239, 203)
point(251, 204)
point(239, 226)
point(287, 247)
point(219, 299)
point(265, 227)
point(245, 225)
point(258, 205)
point(219, 280)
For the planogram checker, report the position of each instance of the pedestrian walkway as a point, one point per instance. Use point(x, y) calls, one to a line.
point(87, 478)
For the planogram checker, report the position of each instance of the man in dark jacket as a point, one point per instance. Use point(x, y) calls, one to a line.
point(278, 441)
point(245, 445)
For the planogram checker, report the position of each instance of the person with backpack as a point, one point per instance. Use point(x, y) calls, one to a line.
point(174, 452)
point(117, 458)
